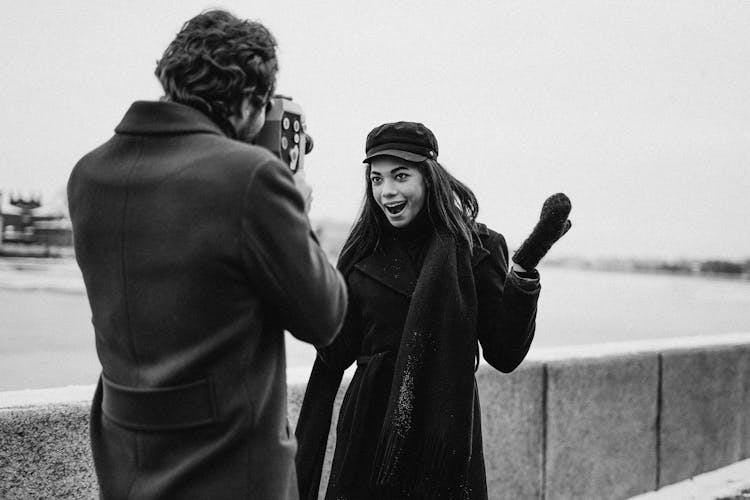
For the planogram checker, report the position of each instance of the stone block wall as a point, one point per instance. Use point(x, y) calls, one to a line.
point(704, 410)
point(513, 430)
point(44, 452)
point(601, 427)
point(605, 421)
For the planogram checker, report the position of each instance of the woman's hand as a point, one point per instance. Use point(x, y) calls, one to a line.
point(553, 224)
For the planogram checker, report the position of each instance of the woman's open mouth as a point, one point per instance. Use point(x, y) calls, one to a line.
point(396, 208)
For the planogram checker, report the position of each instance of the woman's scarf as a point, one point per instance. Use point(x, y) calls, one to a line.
point(425, 443)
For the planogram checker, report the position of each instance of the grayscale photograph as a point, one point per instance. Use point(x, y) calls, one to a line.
point(397, 250)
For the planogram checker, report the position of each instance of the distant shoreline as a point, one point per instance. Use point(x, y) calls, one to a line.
point(712, 269)
point(61, 275)
point(660, 272)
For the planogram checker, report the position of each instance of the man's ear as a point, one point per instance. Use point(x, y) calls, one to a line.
point(245, 107)
point(241, 113)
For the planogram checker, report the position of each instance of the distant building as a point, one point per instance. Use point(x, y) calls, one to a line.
point(25, 231)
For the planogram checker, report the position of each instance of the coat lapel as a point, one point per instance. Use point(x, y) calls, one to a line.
point(479, 251)
point(392, 268)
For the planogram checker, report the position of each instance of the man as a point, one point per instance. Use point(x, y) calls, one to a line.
point(197, 253)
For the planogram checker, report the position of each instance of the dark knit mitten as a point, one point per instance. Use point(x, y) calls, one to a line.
point(553, 224)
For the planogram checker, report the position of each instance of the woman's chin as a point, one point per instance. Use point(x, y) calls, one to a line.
point(400, 221)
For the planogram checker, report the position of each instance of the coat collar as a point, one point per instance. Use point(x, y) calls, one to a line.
point(480, 252)
point(391, 266)
point(164, 117)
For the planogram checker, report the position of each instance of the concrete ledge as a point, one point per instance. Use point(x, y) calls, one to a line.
point(703, 410)
point(577, 422)
point(44, 453)
point(746, 403)
point(601, 427)
point(512, 430)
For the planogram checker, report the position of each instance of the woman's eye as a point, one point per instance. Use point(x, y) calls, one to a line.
point(402, 177)
point(376, 180)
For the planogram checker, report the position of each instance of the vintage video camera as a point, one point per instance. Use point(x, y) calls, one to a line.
point(285, 133)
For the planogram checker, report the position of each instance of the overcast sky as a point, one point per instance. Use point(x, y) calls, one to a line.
point(638, 110)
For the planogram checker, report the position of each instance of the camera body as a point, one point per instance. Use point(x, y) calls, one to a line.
point(284, 133)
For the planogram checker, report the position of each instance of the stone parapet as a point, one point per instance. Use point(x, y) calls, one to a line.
point(605, 421)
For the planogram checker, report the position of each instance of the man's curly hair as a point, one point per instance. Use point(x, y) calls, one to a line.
point(215, 61)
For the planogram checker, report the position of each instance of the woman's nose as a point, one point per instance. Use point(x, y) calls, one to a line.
point(389, 189)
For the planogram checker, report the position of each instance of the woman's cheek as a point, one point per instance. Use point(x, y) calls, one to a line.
point(376, 193)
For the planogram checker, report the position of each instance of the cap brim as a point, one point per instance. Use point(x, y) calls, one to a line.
point(404, 155)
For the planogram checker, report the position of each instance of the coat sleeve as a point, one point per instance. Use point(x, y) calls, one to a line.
point(507, 306)
point(315, 414)
point(288, 266)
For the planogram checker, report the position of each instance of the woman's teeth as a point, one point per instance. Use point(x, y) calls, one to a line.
point(394, 209)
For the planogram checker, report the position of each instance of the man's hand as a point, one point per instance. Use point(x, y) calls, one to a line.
point(553, 224)
point(304, 188)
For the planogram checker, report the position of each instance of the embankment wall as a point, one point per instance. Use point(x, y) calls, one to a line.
point(596, 421)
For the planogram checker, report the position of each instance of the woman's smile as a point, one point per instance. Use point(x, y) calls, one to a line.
point(395, 208)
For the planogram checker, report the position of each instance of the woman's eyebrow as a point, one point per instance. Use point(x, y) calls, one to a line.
point(393, 171)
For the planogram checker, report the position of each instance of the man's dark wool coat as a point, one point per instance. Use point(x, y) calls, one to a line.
point(197, 255)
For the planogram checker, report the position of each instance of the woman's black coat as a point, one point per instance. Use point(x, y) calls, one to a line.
point(380, 289)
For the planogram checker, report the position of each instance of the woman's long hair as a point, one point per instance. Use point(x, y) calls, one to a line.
point(450, 205)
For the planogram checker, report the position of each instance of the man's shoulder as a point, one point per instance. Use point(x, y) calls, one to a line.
point(95, 156)
point(236, 153)
point(209, 159)
point(237, 158)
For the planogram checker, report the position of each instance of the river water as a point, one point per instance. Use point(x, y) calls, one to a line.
point(46, 338)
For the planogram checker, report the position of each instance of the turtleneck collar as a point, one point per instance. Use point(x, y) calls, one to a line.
point(416, 230)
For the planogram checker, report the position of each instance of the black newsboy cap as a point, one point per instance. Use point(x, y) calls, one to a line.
point(410, 141)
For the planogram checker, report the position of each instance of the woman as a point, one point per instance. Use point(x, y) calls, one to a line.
point(426, 285)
